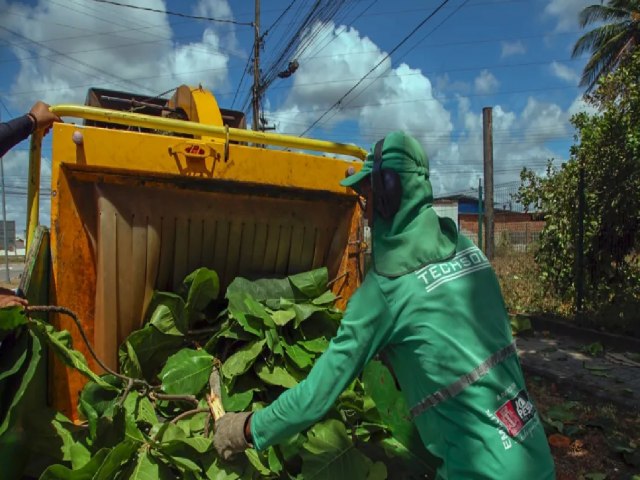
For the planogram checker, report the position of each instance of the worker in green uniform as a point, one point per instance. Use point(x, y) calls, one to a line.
point(432, 305)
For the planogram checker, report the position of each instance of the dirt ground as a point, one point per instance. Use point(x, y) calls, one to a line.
point(589, 439)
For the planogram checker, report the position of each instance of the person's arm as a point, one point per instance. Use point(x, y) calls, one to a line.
point(14, 131)
point(364, 330)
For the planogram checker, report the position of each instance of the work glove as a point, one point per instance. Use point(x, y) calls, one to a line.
point(229, 437)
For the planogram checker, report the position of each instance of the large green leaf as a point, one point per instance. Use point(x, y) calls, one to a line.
point(168, 313)
point(116, 460)
point(217, 469)
point(60, 343)
point(147, 467)
point(390, 402)
point(87, 472)
point(13, 388)
point(152, 348)
point(202, 287)
point(140, 408)
point(327, 298)
point(329, 453)
point(282, 317)
point(276, 375)
point(241, 361)
point(299, 356)
point(238, 311)
point(73, 437)
point(186, 372)
point(262, 290)
point(14, 351)
point(11, 318)
point(95, 401)
point(312, 284)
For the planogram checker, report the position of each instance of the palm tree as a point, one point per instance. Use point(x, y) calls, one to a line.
point(609, 43)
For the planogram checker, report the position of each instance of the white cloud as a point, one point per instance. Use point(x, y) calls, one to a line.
point(565, 73)
point(486, 82)
point(108, 46)
point(402, 98)
point(63, 48)
point(565, 13)
point(512, 48)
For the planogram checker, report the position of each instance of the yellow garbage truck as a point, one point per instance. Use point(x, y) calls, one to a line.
point(145, 190)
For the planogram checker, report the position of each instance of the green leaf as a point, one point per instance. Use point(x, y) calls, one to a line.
point(378, 471)
point(95, 401)
point(14, 351)
point(299, 356)
point(116, 460)
point(186, 372)
point(152, 348)
point(60, 343)
point(282, 317)
point(562, 412)
point(236, 402)
point(275, 465)
point(217, 469)
point(316, 345)
point(262, 290)
point(87, 472)
point(327, 298)
point(148, 467)
point(329, 454)
point(595, 476)
point(256, 462)
point(168, 313)
point(11, 318)
point(520, 324)
point(73, 448)
point(312, 284)
point(140, 408)
point(241, 361)
point(276, 375)
point(203, 286)
point(186, 446)
point(18, 382)
point(392, 407)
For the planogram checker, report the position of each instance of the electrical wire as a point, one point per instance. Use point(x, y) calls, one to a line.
point(176, 14)
point(338, 103)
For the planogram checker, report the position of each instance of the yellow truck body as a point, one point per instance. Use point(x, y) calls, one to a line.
point(139, 201)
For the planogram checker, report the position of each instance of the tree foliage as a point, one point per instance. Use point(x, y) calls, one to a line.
point(607, 148)
point(612, 41)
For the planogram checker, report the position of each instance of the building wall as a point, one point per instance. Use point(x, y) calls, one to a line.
point(517, 230)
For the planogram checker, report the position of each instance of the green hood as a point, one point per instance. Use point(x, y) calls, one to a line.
point(415, 236)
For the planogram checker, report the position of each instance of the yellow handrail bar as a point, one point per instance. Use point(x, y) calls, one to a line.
point(182, 126)
point(166, 124)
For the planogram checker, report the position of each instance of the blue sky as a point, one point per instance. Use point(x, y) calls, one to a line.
point(513, 55)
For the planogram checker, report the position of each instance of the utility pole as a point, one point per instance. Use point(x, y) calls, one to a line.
point(256, 69)
point(4, 221)
point(487, 136)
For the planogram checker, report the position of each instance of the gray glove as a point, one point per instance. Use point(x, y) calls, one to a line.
point(229, 437)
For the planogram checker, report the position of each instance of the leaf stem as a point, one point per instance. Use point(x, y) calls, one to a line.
point(188, 413)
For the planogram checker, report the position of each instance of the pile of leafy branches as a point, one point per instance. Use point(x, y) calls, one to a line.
point(153, 418)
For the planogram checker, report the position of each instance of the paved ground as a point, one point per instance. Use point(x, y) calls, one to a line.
point(612, 375)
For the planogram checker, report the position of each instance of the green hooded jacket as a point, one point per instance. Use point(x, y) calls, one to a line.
point(432, 305)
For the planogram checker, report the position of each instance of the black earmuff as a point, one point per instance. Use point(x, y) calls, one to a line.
point(387, 188)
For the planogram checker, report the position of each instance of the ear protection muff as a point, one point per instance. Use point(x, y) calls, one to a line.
point(387, 188)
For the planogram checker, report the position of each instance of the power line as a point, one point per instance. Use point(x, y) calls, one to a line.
point(104, 72)
point(336, 104)
point(176, 14)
